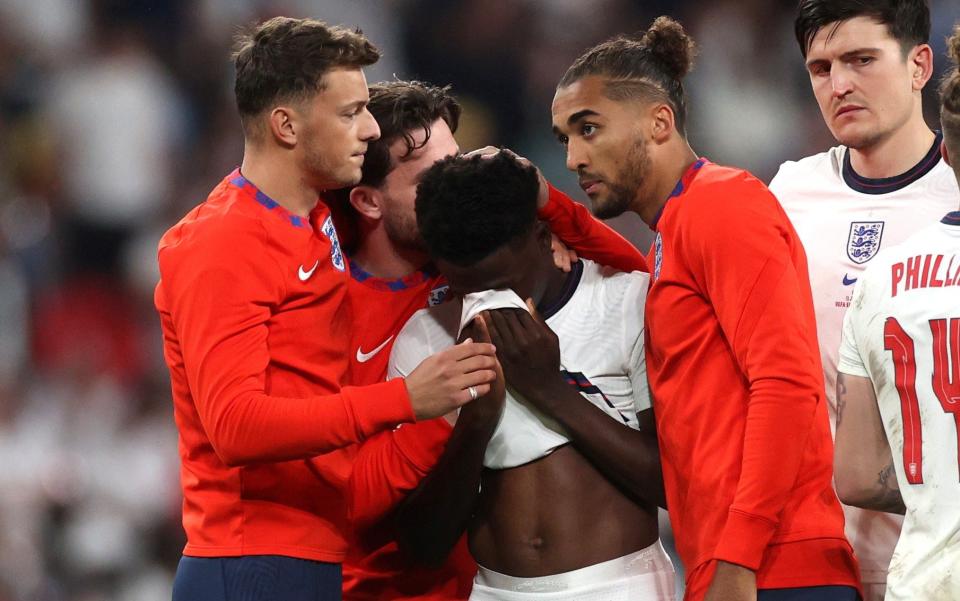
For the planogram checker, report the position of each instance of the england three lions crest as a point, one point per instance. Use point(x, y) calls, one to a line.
point(864, 240)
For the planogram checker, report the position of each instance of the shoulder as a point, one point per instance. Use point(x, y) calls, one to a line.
point(426, 332)
point(620, 293)
point(219, 235)
point(796, 172)
point(723, 199)
point(725, 185)
point(615, 283)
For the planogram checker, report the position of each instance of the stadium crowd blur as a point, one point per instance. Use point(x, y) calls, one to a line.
point(117, 116)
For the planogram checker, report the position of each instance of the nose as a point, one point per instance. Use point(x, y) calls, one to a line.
point(370, 129)
point(840, 81)
point(576, 157)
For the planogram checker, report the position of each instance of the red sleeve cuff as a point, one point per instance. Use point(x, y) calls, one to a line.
point(745, 539)
point(379, 407)
point(423, 443)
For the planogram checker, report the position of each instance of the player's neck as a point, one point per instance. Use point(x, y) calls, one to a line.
point(555, 286)
point(663, 179)
point(381, 258)
point(896, 153)
point(277, 177)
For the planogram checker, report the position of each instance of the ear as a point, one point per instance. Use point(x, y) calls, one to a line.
point(367, 201)
point(920, 61)
point(663, 122)
point(945, 153)
point(283, 124)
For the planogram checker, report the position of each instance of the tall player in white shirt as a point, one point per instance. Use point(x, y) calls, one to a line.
point(898, 393)
point(868, 62)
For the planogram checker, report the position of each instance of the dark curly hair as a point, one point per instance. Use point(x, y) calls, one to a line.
point(402, 108)
point(467, 208)
point(907, 20)
point(650, 66)
point(285, 59)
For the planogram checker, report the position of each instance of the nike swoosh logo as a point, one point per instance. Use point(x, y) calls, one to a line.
point(848, 281)
point(363, 357)
point(304, 274)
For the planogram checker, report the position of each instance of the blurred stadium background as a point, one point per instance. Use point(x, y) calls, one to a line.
point(117, 116)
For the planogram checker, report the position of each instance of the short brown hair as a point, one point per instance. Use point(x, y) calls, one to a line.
point(402, 108)
point(286, 59)
point(908, 21)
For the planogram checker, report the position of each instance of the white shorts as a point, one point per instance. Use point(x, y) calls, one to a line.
point(644, 575)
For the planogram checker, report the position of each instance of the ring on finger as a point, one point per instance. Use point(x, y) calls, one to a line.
point(473, 393)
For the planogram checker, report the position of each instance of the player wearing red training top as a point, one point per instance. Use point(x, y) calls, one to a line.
point(391, 279)
point(732, 352)
point(252, 301)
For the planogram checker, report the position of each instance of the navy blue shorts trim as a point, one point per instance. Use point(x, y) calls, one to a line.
point(256, 578)
point(809, 593)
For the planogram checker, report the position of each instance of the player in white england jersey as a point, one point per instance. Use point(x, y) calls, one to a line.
point(567, 468)
point(898, 392)
point(868, 62)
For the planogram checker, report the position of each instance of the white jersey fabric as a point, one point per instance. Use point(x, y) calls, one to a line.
point(843, 220)
point(902, 331)
point(599, 322)
point(645, 575)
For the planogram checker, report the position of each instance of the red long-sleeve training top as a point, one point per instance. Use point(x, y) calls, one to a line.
point(735, 372)
point(256, 328)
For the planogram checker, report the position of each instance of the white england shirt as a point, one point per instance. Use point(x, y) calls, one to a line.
point(599, 323)
point(843, 220)
point(902, 331)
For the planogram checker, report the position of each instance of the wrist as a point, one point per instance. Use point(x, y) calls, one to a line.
point(547, 393)
point(477, 418)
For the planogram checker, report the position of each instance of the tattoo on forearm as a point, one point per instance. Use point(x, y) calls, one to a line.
point(888, 497)
point(841, 397)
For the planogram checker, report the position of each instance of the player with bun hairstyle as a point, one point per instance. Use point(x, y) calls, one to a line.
point(898, 382)
point(732, 353)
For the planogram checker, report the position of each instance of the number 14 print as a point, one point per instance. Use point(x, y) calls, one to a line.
point(945, 382)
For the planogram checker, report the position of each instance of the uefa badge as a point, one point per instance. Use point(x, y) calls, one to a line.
point(336, 255)
point(657, 256)
point(864, 240)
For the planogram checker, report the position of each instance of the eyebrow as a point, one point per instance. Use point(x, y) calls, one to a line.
point(847, 55)
point(354, 105)
point(576, 117)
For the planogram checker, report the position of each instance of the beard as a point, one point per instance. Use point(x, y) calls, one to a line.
point(627, 183)
point(402, 230)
